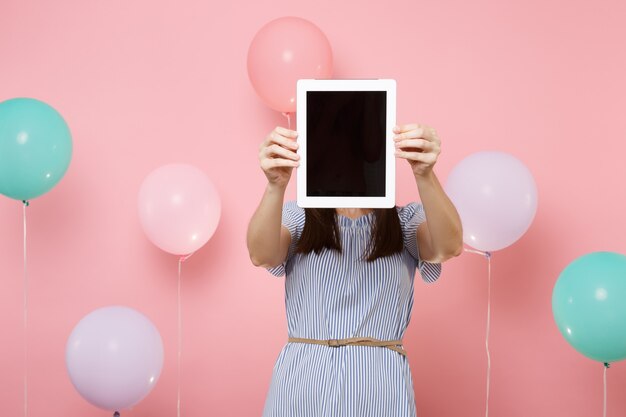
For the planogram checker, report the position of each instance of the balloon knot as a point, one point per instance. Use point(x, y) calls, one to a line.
point(606, 365)
point(116, 414)
point(183, 258)
point(488, 255)
point(26, 203)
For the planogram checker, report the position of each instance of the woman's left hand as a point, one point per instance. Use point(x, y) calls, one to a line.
point(418, 144)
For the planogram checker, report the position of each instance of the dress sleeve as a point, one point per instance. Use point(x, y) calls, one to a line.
point(292, 219)
point(411, 216)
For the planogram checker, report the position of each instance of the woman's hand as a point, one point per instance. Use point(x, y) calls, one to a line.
point(419, 145)
point(278, 156)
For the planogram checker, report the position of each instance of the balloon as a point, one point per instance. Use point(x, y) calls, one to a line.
point(179, 208)
point(35, 148)
point(282, 52)
point(589, 305)
point(496, 197)
point(114, 357)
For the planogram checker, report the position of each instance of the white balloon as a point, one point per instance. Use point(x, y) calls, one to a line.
point(496, 197)
point(114, 357)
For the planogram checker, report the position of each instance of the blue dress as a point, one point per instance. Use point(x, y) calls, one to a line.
point(335, 296)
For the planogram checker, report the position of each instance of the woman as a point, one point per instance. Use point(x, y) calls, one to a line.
point(349, 284)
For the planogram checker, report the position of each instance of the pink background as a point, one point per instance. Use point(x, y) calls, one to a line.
point(144, 83)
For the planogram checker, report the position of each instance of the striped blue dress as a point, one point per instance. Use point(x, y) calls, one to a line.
point(335, 296)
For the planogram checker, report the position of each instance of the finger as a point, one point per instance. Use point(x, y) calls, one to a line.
point(432, 134)
point(275, 150)
point(416, 143)
point(275, 137)
point(286, 132)
point(417, 131)
point(269, 163)
point(425, 157)
point(413, 133)
point(405, 128)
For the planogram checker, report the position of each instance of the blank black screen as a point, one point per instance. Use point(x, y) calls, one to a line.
point(345, 143)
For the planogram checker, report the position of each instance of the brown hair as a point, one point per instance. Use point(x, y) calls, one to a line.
point(321, 230)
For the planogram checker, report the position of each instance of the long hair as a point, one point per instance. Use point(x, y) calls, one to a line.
point(321, 230)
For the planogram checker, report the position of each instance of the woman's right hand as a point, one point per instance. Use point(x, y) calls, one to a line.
point(278, 156)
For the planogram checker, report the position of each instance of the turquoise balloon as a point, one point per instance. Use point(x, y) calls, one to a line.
point(35, 148)
point(589, 305)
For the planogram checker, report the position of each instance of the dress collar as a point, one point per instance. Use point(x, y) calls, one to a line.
point(365, 219)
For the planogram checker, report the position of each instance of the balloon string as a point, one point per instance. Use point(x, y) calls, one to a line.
point(25, 278)
point(606, 366)
point(180, 264)
point(288, 116)
point(488, 256)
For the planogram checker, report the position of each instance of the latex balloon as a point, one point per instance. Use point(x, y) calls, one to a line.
point(589, 305)
point(179, 208)
point(114, 357)
point(35, 148)
point(496, 197)
point(282, 52)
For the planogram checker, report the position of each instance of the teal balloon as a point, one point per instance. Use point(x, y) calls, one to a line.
point(589, 305)
point(35, 148)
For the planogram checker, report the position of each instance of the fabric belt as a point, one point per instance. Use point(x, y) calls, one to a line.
point(355, 341)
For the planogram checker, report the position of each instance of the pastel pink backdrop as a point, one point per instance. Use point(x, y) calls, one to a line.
point(145, 83)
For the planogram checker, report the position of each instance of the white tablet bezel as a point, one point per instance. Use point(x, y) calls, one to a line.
point(306, 85)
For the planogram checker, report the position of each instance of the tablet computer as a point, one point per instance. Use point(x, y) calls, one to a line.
point(345, 132)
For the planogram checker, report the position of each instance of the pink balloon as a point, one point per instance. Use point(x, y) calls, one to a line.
point(282, 52)
point(114, 357)
point(496, 197)
point(179, 208)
